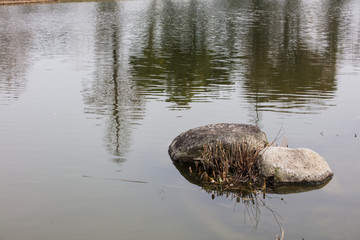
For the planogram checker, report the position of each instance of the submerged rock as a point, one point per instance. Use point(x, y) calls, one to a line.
point(298, 165)
point(188, 145)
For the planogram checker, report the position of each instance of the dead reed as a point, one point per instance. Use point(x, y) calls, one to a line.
point(233, 164)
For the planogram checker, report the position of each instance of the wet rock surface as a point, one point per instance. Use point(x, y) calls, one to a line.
point(188, 145)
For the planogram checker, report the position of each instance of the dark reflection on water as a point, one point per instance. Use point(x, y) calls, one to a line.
point(191, 50)
point(175, 57)
point(112, 92)
point(278, 55)
point(194, 178)
point(198, 51)
point(282, 69)
point(254, 200)
point(13, 56)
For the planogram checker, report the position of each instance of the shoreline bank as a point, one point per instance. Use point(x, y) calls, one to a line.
point(18, 2)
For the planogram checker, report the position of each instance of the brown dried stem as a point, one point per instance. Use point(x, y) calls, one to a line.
point(235, 163)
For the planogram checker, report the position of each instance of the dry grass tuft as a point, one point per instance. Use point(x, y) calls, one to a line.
point(237, 163)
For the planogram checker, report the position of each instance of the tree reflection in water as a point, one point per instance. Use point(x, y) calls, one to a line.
point(279, 56)
point(284, 73)
point(13, 56)
point(193, 51)
point(112, 92)
point(174, 58)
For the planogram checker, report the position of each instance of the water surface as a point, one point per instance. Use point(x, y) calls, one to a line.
point(92, 94)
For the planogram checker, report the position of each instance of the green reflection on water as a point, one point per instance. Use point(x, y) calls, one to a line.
point(282, 67)
point(196, 51)
point(192, 50)
point(175, 56)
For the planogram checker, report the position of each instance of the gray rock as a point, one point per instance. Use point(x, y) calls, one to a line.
point(187, 145)
point(299, 165)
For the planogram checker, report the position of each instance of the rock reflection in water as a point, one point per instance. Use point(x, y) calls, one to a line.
point(253, 199)
point(194, 178)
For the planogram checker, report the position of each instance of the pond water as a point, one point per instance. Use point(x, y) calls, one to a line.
point(93, 93)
